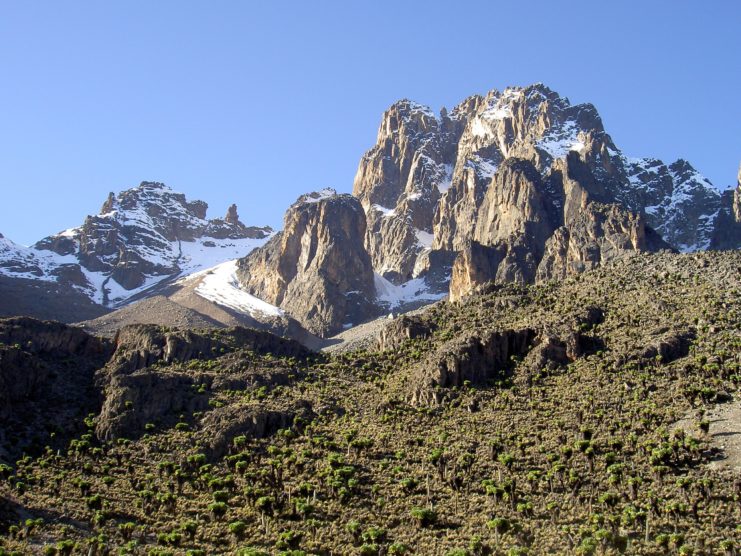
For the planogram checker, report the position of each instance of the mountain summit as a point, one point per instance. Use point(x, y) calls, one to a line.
point(512, 186)
point(142, 237)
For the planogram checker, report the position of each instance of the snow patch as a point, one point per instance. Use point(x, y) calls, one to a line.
point(483, 167)
point(386, 212)
point(317, 196)
point(221, 285)
point(426, 110)
point(447, 180)
point(394, 296)
point(559, 141)
point(209, 252)
point(424, 238)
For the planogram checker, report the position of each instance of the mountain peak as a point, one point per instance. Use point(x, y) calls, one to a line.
point(317, 196)
point(154, 185)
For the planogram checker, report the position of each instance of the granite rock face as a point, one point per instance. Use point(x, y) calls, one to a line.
point(507, 181)
point(316, 268)
point(399, 183)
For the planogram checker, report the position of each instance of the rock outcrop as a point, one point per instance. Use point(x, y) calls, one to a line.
point(402, 329)
point(140, 346)
point(317, 267)
point(532, 229)
point(256, 421)
point(46, 383)
point(475, 359)
point(137, 392)
point(668, 347)
point(51, 338)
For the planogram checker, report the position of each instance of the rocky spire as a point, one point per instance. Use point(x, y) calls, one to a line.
point(232, 217)
point(109, 203)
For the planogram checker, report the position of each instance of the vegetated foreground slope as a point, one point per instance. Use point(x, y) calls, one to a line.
point(524, 420)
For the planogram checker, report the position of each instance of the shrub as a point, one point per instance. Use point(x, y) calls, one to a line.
point(423, 516)
point(218, 509)
point(221, 496)
point(373, 535)
point(237, 528)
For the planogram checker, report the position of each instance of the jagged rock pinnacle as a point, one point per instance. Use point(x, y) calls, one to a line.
point(109, 203)
point(232, 217)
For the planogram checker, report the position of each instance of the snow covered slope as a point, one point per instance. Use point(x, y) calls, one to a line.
point(221, 285)
point(141, 238)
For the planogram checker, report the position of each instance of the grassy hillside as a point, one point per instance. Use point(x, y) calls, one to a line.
point(526, 420)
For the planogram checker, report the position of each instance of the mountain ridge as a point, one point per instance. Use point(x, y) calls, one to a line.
point(518, 185)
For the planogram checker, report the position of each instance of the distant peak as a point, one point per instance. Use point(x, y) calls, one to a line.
point(406, 106)
point(154, 185)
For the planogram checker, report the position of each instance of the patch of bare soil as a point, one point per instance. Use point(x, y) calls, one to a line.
point(724, 433)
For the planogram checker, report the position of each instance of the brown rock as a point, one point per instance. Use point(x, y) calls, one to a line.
point(317, 268)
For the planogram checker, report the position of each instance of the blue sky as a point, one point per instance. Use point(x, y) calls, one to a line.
point(258, 102)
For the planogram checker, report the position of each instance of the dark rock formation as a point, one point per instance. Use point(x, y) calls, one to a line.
point(222, 425)
point(402, 329)
point(51, 338)
point(475, 359)
point(46, 383)
point(231, 227)
point(668, 347)
point(146, 396)
point(137, 392)
point(727, 233)
point(140, 346)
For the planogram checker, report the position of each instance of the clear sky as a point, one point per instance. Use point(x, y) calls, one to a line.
point(257, 102)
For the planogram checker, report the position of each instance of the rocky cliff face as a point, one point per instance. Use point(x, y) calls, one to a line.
point(317, 267)
point(399, 183)
point(523, 185)
point(679, 203)
point(132, 377)
point(141, 237)
point(55, 377)
point(727, 233)
point(46, 383)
